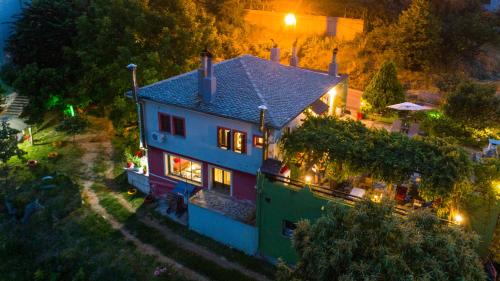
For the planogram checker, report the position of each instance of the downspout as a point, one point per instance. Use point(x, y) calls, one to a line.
point(140, 109)
point(265, 132)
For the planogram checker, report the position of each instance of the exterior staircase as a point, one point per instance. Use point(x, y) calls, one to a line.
point(15, 105)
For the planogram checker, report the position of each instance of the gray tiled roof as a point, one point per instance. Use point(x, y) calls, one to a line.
point(243, 84)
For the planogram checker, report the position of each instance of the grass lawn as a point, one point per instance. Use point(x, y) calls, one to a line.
point(152, 236)
point(65, 240)
point(47, 140)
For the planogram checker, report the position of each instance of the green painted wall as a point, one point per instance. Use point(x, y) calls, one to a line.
point(277, 202)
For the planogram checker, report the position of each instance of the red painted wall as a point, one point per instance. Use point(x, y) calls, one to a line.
point(244, 184)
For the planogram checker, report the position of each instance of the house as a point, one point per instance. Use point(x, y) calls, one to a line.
point(209, 131)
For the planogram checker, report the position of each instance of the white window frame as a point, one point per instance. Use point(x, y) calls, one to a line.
point(167, 168)
point(211, 178)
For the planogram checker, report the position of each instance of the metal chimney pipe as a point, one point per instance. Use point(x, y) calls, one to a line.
point(140, 111)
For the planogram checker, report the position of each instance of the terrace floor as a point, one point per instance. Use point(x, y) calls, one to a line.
point(243, 211)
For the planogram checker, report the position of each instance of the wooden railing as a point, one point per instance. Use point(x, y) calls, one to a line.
point(327, 192)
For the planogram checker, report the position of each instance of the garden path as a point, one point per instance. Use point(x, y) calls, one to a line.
point(97, 143)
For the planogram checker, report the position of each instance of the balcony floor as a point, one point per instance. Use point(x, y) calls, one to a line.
point(243, 211)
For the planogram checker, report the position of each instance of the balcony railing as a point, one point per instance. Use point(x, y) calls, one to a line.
point(329, 193)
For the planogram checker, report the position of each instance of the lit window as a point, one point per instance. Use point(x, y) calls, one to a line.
point(258, 141)
point(287, 228)
point(184, 168)
point(239, 142)
point(164, 122)
point(224, 138)
point(179, 126)
point(221, 181)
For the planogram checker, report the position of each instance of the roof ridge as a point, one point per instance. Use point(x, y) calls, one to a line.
point(189, 72)
point(257, 91)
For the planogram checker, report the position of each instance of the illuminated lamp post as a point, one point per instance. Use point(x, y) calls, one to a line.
point(291, 21)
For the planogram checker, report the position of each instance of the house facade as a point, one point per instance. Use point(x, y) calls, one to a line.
point(208, 132)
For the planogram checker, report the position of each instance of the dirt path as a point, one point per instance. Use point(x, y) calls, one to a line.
point(96, 145)
point(93, 201)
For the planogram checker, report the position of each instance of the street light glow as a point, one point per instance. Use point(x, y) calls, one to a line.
point(290, 19)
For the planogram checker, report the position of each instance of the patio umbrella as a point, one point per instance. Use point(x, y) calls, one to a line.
point(408, 106)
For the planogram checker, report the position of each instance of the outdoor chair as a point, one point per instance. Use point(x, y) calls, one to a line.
point(396, 126)
point(414, 129)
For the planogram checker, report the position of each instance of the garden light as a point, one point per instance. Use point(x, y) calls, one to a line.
point(290, 19)
point(308, 179)
point(458, 218)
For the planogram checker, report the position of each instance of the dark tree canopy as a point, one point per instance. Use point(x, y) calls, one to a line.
point(370, 242)
point(42, 31)
point(384, 89)
point(474, 105)
point(417, 36)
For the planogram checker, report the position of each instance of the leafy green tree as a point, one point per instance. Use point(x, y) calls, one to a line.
point(384, 89)
point(474, 105)
point(350, 146)
point(370, 242)
point(8, 143)
point(417, 36)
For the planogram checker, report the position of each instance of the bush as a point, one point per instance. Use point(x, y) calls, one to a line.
point(73, 125)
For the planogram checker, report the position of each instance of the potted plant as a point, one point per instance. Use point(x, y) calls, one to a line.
point(145, 169)
point(133, 161)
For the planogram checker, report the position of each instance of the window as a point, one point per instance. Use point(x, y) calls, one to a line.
point(179, 126)
point(184, 168)
point(224, 138)
point(258, 141)
point(287, 228)
point(239, 142)
point(221, 181)
point(164, 122)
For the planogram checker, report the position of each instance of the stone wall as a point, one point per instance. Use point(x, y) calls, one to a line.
point(273, 22)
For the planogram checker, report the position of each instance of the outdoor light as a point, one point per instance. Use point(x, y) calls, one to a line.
point(331, 98)
point(308, 179)
point(458, 218)
point(290, 19)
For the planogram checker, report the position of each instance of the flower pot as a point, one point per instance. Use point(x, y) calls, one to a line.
point(132, 191)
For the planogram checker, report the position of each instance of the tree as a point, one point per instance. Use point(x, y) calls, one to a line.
point(393, 158)
point(417, 36)
point(370, 242)
point(474, 105)
point(384, 89)
point(8, 143)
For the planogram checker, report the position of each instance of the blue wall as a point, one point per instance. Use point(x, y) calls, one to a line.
point(8, 9)
point(227, 231)
point(201, 138)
